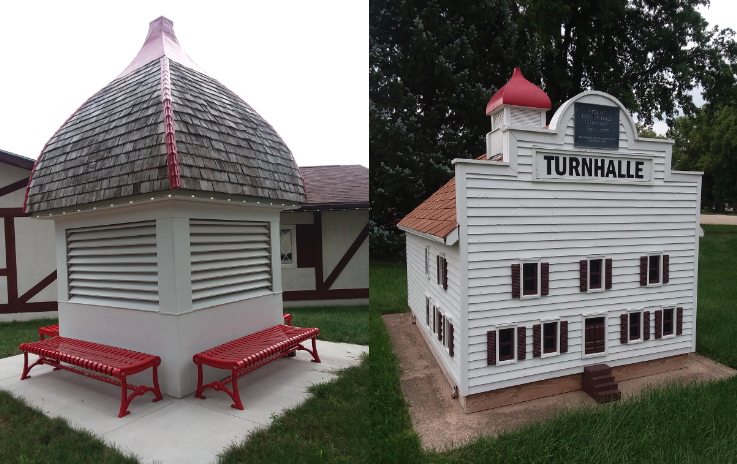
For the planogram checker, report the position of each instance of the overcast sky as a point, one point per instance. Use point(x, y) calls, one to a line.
point(303, 65)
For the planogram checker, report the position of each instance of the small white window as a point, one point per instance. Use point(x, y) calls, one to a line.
point(635, 323)
point(446, 333)
point(596, 274)
point(506, 344)
point(668, 328)
point(550, 338)
point(654, 269)
point(427, 262)
point(530, 282)
point(287, 247)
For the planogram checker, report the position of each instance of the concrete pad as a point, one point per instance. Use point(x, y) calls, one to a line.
point(187, 430)
point(440, 421)
point(719, 219)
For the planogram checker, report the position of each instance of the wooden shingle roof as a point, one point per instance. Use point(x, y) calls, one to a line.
point(122, 141)
point(336, 186)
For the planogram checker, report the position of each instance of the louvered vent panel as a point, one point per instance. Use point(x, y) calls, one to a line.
point(524, 117)
point(497, 120)
point(114, 265)
point(231, 261)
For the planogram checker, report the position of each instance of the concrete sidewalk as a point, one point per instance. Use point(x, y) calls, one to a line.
point(186, 430)
point(719, 219)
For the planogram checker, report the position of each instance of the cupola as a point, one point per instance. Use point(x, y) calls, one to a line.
point(519, 103)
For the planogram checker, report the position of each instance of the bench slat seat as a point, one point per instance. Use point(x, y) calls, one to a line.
point(248, 353)
point(49, 331)
point(108, 360)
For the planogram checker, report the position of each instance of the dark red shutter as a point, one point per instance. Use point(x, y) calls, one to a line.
point(450, 339)
point(583, 276)
point(440, 327)
point(608, 278)
point(659, 323)
point(445, 274)
point(521, 343)
point(666, 268)
point(435, 319)
point(437, 268)
point(564, 336)
point(544, 278)
point(491, 348)
point(427, 311)
point(643, 270)
point(679, 322)
point(515, 280)
point(646, 325)
point(536, 340)
point(623, 328)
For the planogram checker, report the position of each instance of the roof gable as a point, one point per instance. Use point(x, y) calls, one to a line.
point(436, 215)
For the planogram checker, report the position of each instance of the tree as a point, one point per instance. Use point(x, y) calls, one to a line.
point(433, 66)
point(707, 141)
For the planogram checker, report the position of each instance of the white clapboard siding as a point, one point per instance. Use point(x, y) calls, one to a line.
point(231, 261)
point(114, 265)
point(419, 286)
point(562, 223)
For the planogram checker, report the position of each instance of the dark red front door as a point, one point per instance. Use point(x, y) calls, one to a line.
point(594, 333)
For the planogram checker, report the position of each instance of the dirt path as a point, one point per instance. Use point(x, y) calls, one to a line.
point(439, 419)
point(719, 219)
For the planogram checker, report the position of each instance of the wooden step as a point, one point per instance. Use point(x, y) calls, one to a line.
point(599, 383)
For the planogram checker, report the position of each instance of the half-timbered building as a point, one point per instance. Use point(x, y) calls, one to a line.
point(27, 253)
point(566, 257)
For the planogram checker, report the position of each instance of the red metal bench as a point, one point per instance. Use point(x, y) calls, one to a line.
point(248, 353)
point(49, 331)
point(116, 363)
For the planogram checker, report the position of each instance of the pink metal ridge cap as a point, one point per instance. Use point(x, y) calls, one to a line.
point(172, 159)
point(519, 91)
point(160, 41)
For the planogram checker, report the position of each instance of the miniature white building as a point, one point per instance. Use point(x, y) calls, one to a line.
point(574, 247)
point(166, 190)
point(27, 253)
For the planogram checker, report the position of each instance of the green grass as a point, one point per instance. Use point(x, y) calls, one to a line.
point(343, 324)
point(719, 229)
point(695, 423)
point(13, 334)
point(27, 436)
point(329, 427)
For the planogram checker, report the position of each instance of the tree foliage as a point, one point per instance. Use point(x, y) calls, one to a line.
point(434, 64)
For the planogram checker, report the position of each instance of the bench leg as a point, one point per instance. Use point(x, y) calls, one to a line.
point(157, 392)
point(125, 401)
point(25, 375)
point(313, 351)
point(236, 394)
point(200, 388)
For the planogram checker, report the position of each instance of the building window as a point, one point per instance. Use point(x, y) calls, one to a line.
point(594, 335)
point(668, 321)
point(427, 262)
point(635, 326)
point(595, 273)
point(653, 269)
point(506, 344)
point(550, 337)
point(529, 278)
point(286, 246)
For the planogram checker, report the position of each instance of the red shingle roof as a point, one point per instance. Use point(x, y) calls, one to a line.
point(436, 215)
point(336, 186)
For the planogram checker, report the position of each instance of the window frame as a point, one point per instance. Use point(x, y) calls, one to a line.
point(499, 328)
point(659, 254)
point(428, 301)
point(543, 323)
point(446, 324)
point(293, 229)
point(602, 276)
point(439, 271)
point(641, 311)
point(673, 322)
point(522, 262)
point(605, 315)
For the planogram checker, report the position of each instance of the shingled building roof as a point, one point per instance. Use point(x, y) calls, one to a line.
point(336, 186)
point(162, 124)
point(436, 215)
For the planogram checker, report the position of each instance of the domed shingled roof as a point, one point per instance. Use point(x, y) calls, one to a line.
point(519, 92)
point(162, 124)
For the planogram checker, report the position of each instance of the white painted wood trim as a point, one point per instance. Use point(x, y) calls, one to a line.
point(422, 234)
point(182, 265)
point(165, 265)
point(62, 276)
point(696, 264)
point(462, 215)
point(276, 286)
